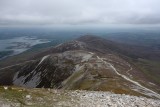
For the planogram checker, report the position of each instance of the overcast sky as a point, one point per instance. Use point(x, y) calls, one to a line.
point(79, 12)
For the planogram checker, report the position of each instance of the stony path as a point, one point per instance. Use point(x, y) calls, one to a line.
point(141, 88)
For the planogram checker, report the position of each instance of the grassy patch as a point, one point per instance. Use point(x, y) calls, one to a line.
point(13, 94)
point(150, 68)
point(87, 84)
point(69, 83)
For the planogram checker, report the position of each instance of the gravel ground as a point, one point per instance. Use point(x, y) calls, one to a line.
point(106, 99)
point(77, 98)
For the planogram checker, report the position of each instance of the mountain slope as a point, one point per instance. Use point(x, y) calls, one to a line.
point(88, 63)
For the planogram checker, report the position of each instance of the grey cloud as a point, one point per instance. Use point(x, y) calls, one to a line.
point(51, 12)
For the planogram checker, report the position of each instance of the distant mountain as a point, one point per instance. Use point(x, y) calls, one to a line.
point(87, 63)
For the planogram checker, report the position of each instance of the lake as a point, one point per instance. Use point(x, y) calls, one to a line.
point(18, 45)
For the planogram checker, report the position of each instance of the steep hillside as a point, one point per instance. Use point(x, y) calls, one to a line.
point(145, 61)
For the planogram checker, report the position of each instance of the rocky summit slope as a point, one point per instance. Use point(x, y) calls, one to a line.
point(23, 97)
point(88, 63)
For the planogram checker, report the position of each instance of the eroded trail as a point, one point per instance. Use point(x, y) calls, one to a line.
point(140, 88)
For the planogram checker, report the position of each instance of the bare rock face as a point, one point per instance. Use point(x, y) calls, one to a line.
point(51, 70)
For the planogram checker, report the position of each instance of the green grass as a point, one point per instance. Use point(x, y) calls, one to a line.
point(150, 68)
point(70, 82)
point(149, 71)
point(13, 95)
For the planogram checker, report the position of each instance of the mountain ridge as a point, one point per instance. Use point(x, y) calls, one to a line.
point(87, 63)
